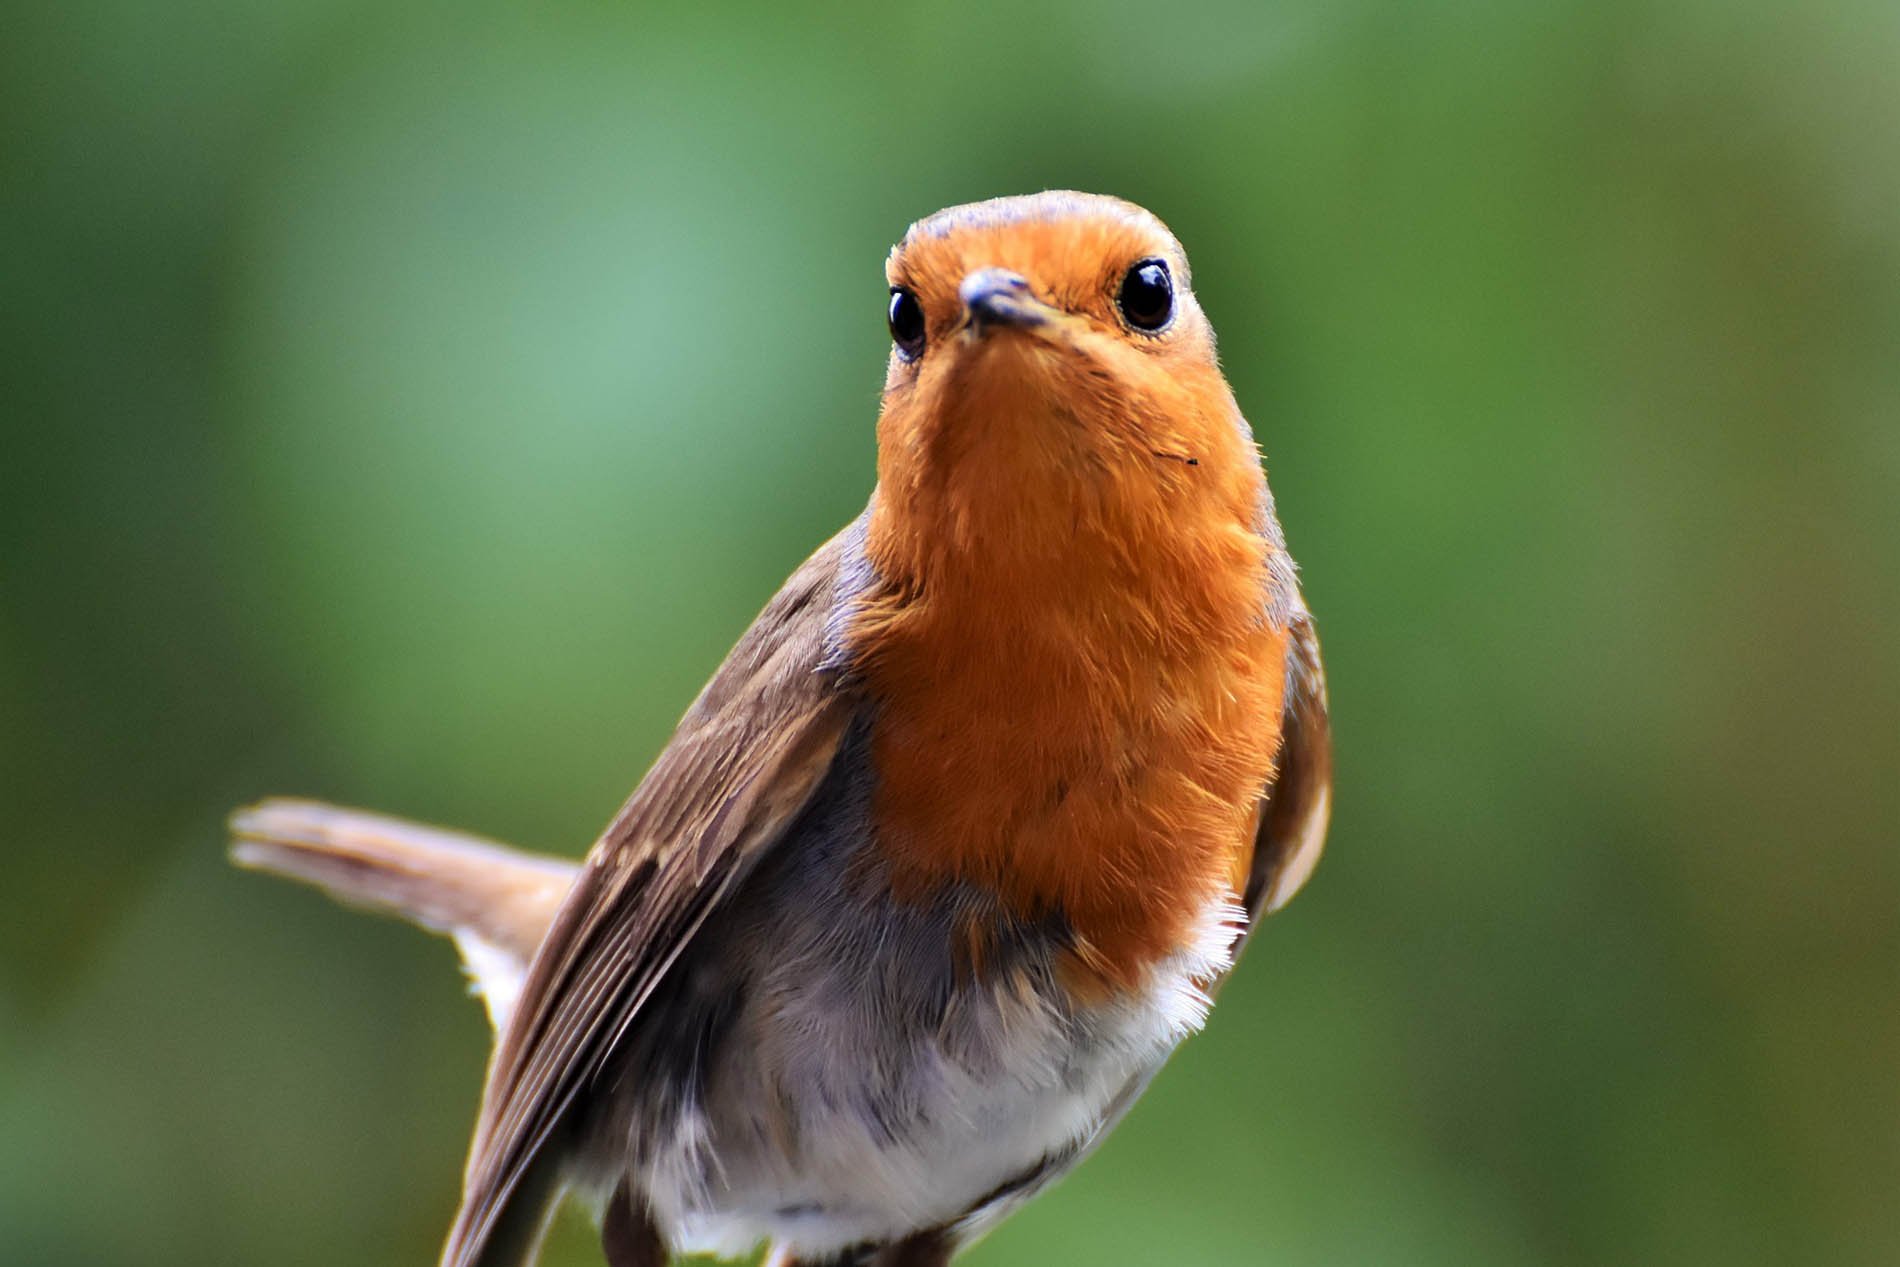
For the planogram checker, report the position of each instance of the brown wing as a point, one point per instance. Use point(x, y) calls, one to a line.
point(746, 758)
point(1298, 804)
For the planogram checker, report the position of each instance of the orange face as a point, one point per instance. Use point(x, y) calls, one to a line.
point(1078, 683)
point(1062, 361)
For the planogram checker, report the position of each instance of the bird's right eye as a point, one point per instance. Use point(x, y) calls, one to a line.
point(907, 323)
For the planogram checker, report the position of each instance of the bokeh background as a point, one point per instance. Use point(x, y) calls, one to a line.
point(407, 404)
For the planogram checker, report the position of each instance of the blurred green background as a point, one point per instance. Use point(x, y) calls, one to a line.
point(407, 404)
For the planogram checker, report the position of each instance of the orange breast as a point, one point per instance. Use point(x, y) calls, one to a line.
point(1077, 712)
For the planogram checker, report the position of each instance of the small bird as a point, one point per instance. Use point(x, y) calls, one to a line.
point(956, 845)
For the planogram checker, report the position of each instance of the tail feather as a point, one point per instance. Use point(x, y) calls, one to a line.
point(496, 902)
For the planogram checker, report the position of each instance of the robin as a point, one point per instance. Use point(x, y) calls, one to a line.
point(954, 848)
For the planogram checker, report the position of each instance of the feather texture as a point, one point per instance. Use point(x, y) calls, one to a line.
point(496, 902)
point(745, 759)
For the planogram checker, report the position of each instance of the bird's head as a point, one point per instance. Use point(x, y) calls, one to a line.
point(1052, 375)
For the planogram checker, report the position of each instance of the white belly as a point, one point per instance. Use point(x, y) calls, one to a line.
point(821, 1130)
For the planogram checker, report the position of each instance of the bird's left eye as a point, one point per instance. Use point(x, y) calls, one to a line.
point(1147, 296)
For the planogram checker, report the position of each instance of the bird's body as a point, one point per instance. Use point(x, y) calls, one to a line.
point(948, 856)
point(872, 1065)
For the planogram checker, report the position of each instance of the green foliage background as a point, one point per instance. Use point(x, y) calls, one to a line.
point(406, 404)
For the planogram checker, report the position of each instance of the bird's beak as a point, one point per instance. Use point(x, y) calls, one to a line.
point(996, 298)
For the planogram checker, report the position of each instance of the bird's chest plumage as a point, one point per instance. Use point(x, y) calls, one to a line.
point(851, 1074)
point(992, 925)
point(1093, 742)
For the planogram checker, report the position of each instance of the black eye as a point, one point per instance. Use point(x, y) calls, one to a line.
point(1147, 295)
point(907, 323)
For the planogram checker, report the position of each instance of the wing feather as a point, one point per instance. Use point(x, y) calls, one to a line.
point(1298, 803)
point(746, 759)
